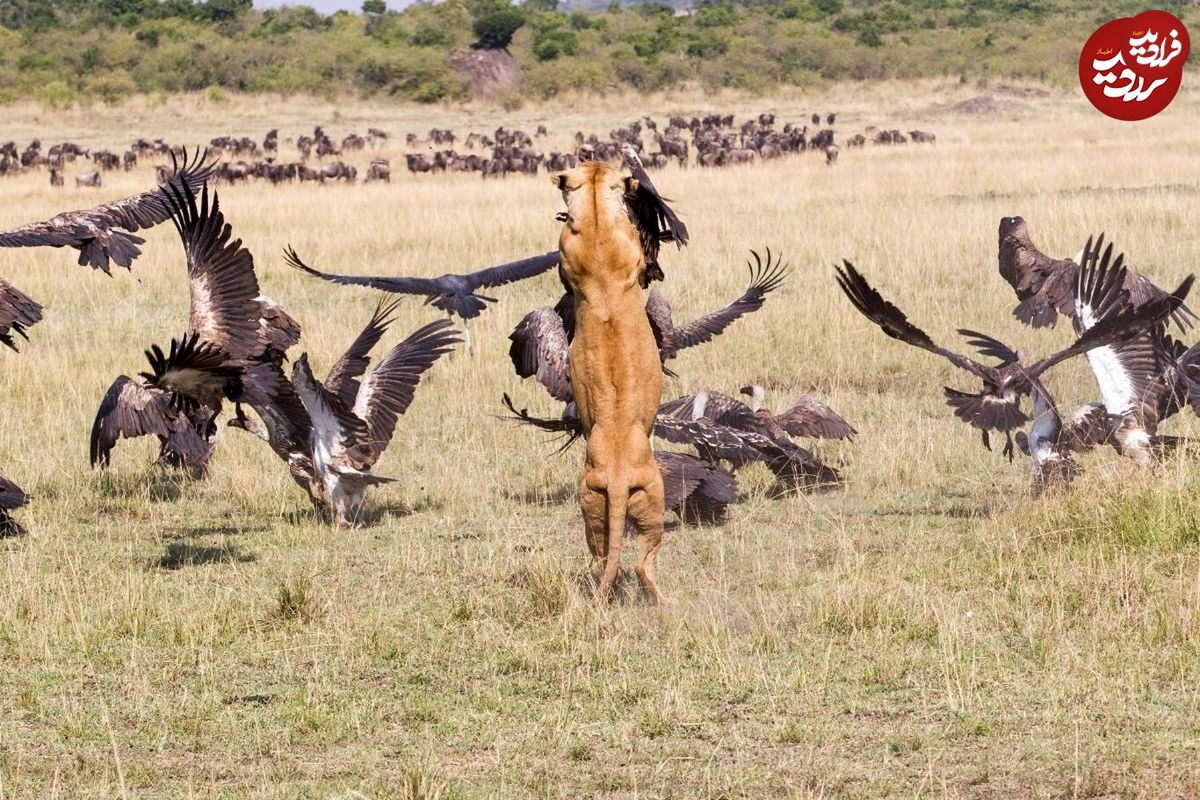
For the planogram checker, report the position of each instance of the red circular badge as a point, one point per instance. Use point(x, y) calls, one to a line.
point(1131, 68)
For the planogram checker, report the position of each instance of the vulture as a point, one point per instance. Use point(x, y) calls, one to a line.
point(541, 342)
point(105, 234)
point(655, 220)
point(231, 325)
point(352, 420)
point(1100, 295)
point(1051, 440)
point(454, 294)
point(11, 498)
point(808, 417)
point(1143, 380)
point(725, 428)
point(187, 437)
point(18, 311)
point(698, 491)
point(1046, 286)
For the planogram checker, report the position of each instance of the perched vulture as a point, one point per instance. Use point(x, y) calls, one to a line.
point(353, 421)
point(1143, 380)
point(710, 417)
point(105, 233)
point(231, 325)
point(11, 498)
point(18, 311)
point(809, 417)
point(186, 437)
point(1046, 286)
point(997, 406)
point(454, 294)
point(541, 342)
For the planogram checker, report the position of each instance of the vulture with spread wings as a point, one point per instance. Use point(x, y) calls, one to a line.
point(457, 295)
point(18, 312)
point(187, 437)
point(353, 420)
point(231, 325)
point(1100, 295)
point(1046, 287)
point(105, 234)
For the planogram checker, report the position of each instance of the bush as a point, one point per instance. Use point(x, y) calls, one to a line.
point(494, 27)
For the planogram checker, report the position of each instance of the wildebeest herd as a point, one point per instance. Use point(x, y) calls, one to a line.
point(330, 433)
point(712, 140)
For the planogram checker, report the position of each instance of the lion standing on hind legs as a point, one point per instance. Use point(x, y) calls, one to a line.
point(615, 372)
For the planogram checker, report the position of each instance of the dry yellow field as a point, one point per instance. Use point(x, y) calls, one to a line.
point(931, 630)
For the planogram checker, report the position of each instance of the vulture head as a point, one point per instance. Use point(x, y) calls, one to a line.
point(757, 395)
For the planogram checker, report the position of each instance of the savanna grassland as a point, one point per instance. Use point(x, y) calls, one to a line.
point(930, 630)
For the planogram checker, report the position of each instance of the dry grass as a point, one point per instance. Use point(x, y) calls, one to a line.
point(931, 630)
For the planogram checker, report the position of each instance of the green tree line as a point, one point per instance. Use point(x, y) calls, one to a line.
point(81, 51)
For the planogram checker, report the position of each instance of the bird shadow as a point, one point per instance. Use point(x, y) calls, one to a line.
point(155, 484)
point(197, 531)
point(949, 511)
point(178, 555)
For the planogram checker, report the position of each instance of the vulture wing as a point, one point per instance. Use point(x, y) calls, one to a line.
point(764, 279)
point(343, 378)
point(18, 311)
point(540, 347)
point(224, 289)
point(812, 418)
point(682, 475)
point(514, 270)
point(388, 390)
point(570, 425)
point(422, 286)
point(94, 231)
point(129, 410)
point(895, 324)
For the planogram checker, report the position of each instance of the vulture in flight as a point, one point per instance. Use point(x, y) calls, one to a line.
point(541, 342)
point(11, 498)
point(1143, 380)
point(1100, 295)
point(105, 234)
point(698, 491)
point(353, 418)
point(231, 325)
point(18, 311)
point(187, 437)
point(457, 295)
point(1046, 286)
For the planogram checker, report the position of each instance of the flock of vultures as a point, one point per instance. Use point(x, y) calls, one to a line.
point(239, 348)
point(713, 140)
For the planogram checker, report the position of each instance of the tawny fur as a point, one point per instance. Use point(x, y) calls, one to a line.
point(615, 372)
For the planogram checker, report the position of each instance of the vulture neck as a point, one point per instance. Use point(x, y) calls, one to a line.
point(758, 397)
point(699, 406)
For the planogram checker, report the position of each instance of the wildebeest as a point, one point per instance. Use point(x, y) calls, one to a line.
point(91, 179)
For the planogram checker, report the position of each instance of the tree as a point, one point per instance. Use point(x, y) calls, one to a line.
point(375, 7)
point(495, 23)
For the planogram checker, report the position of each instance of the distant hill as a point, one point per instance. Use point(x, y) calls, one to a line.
point(80, 51)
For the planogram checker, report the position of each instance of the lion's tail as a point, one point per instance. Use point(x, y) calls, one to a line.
point(618, 504)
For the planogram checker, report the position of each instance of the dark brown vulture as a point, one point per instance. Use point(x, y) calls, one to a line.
point(231, 325)
point(758, 439)
point(809, 417)
point(997, 406)
point(454, 294)
point(1046, 286)
point(11, 498)
point(18, 312)
point(186, 438)
point(105, 233)
point(352, 420)
point(655, 220)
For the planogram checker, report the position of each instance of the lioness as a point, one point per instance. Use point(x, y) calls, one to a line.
point(616, 376)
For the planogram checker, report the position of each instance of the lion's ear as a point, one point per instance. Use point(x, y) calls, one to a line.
point(559, 179)
point(631, 185)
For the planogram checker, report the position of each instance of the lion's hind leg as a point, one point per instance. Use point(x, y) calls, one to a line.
point(646, 511)
point(595, 525)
